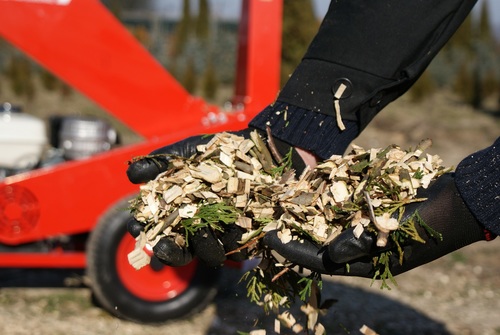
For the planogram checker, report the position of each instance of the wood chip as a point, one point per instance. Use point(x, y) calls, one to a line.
point(365, 330)
point(308, 201)
point(358, 189)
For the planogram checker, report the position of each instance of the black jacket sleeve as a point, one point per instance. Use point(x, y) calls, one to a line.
point(377, 48)
point(478, 181)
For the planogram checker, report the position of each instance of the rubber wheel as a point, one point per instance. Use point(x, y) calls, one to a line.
point(153, 294)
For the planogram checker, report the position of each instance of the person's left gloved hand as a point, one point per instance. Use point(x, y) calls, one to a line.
point(207, 245)
point(444, 211)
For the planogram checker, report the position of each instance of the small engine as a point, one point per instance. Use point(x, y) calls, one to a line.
point(25, 144)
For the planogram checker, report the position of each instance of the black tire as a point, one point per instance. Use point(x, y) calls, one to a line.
point(111, 292)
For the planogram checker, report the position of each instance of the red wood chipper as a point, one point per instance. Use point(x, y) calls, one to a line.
point(72, 214)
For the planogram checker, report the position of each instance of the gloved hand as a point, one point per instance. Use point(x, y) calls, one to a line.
point(443, 211)
point(209, 246)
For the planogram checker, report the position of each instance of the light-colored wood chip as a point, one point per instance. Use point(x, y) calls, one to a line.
point(239, 179)
point(365, 330)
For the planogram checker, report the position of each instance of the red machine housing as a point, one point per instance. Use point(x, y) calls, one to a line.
point(82, 43)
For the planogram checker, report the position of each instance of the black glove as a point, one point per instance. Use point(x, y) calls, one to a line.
point(444, 211)
point(209, 246)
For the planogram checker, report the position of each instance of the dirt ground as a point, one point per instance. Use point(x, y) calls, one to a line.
point(457, 294)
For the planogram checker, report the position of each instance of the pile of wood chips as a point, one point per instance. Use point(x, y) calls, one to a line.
point(364, 189)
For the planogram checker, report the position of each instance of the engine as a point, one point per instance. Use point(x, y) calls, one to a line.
point(27, 142)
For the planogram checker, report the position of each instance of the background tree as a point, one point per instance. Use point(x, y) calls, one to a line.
point(210, 82)
point(141, 33)
point(115, 7)
point(48, 80)
point(182, 30)
point(464, 83)
point(423, 87)
point(189, 80)
point(299, 27)
point(20, 75)
point(202, 27)
point(462, 39)
point(487, 59)
point(468, 64)
point(485, 33)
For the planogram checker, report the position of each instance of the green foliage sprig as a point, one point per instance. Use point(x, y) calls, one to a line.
point(235, 180)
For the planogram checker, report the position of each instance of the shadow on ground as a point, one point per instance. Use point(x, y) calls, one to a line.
point(353, 309)
point(41, 278)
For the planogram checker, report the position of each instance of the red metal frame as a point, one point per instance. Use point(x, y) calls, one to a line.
point(82, 43)
point(259, 54)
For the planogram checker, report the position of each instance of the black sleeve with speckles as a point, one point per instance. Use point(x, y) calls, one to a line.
point(478, 181)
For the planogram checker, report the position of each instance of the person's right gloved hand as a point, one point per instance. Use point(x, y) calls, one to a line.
point(207, 245)
point(444, 211)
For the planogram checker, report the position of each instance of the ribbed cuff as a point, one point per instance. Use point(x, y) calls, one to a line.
point(302, 128)
point(478, 181)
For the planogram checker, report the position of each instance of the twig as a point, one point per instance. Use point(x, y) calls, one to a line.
point(272, 146)
point(246, 245)
point(279, 274)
